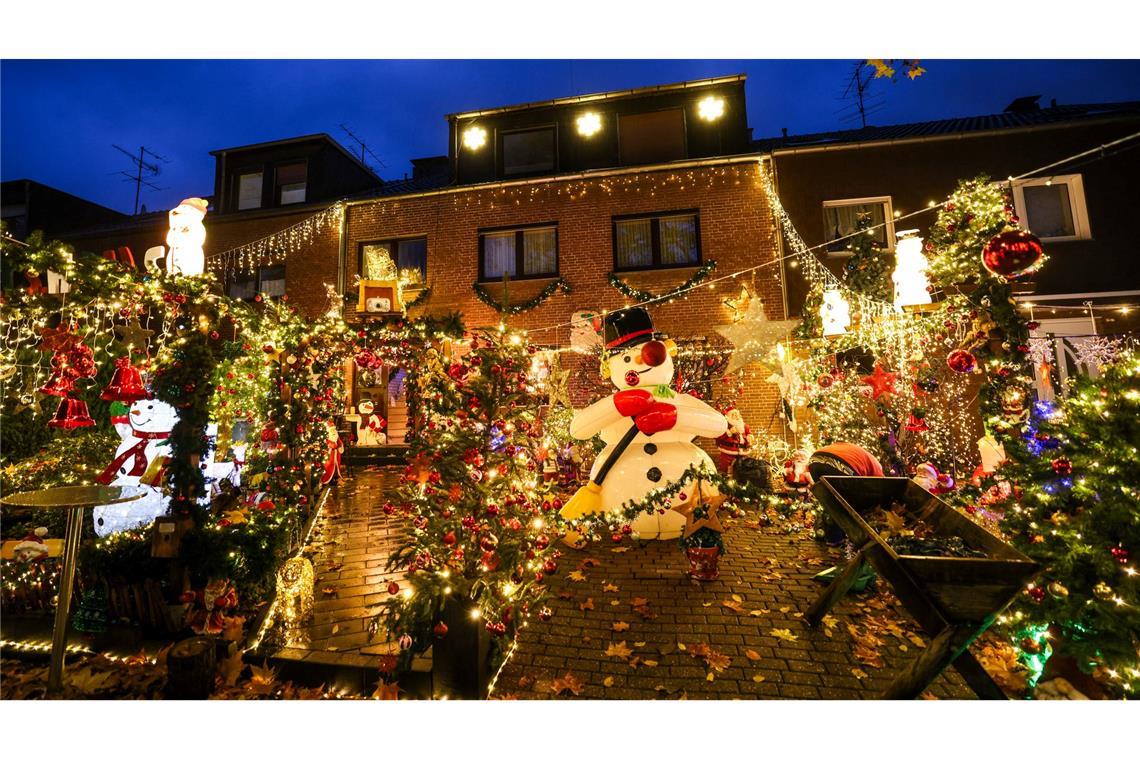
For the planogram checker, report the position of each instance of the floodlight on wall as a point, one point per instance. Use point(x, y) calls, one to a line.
point(711, 108)
point(589, 124)
point(474, 138)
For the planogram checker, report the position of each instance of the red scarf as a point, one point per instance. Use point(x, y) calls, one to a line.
point(138, 451)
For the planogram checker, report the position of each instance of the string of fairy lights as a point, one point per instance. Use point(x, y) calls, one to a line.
point(276, 247)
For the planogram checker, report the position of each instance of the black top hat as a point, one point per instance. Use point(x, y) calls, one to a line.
point(628, 327)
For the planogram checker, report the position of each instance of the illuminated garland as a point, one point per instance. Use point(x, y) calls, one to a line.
point(277, 246)
point(516, 308)
point(420, 298)
point(643, 296)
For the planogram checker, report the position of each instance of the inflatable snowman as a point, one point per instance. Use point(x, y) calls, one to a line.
point(186, 237)
point(145, 442)
point(647, 428)
point(909, 277)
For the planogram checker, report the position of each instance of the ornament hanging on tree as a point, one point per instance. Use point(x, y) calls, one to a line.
point(881, 382)
point(70, 414)
point(961, 361)
point(126, 384)
point(1062, 466)
point(1012, 253)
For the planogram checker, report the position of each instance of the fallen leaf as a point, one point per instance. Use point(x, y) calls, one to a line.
point(737, 598)
point(525, 682)
point(608, 681)
point(785, 634)
point(586, 605)
point(577, 576)
point(752, 654)
point(916, 640)
point(336, 627)
point(733, 605)
point(609, 587)
point(858, 673)
point(639, 601)
point(709, 676)
point(387, 691)
point(620, 549)
point(620, 625)
point(618, 650)
point(649, 663)
point(567, 683)
point(758, 678)
point(231, 668)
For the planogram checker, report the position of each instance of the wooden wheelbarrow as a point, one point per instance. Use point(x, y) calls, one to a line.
point(954, 599)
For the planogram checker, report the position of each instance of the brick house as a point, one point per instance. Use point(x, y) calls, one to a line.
point(1082, 211)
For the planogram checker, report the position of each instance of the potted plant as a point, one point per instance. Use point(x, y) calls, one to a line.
point(703, 549)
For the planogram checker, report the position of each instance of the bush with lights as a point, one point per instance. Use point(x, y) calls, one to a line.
point(480, 524)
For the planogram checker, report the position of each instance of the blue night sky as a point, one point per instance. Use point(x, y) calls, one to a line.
point(61, 117)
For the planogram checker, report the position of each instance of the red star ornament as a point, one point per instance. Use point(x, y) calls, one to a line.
point(881, 382)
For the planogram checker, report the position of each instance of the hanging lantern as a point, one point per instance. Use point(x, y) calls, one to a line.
point(835, 313)
point(126, 384)
point(71, 413)
point(1012, 253)
point(912, 288)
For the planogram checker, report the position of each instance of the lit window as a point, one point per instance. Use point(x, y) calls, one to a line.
point(291, 183)
point(1053, 208)
point(662, 240)
point(377, 257)
point(520, 253)
point(845, 217)
point(529, 151)
point(249, 191)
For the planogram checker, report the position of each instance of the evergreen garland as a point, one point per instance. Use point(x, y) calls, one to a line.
point(643, 296)
point(516, 308)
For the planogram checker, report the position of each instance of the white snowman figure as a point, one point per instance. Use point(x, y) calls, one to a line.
point(647, 428)
point(370, 430)
point(151, 421)
point(186, 237)
point(909, 277)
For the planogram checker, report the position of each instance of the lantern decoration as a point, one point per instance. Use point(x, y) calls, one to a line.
point(70, 414)
point(1012, 253)
point(835, 313)
point(962, 361)
point(912, 288)
point(126, 384)
point(295, 590)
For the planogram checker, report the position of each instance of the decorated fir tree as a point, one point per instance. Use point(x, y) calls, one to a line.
point(1076, 470)
point(868, 271)
point(479, 528)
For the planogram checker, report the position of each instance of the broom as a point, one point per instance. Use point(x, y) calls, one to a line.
point(588, 498)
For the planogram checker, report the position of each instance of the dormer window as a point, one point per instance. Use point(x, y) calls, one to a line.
point(249, 190)
point(528, 151)
point(291, 180)
point(654, 137)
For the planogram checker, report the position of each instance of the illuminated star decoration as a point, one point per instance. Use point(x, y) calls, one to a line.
point(700, 509)
point(881, 382)
point(737, 303)
point(753, 335)
point(559, 383)
point(132, 334)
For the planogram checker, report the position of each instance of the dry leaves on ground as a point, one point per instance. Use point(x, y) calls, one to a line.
point(785, 634)
point(618, 650)
point(620, 626)
point(567, 683)
point(577, 576)
point(586, 605)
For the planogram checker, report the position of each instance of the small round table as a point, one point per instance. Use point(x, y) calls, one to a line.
point(74, 499)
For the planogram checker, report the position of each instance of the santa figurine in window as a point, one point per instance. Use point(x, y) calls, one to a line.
point(736, 441)
point(370, 431)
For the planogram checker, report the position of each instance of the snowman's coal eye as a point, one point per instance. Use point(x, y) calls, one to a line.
point(628, 359)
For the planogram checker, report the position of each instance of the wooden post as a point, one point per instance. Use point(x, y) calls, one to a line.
point(947, 645)
point(190, 669)
point(838, 587)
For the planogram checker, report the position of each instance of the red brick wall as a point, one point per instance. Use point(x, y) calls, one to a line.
point(736, 227)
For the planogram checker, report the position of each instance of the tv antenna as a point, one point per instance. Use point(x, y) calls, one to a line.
point(858, 87)
point(144, 170)
point(363, 148)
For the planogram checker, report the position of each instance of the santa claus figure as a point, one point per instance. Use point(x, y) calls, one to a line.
point(796, 474)
point(928, 476)
point(335, 449)
point(33, 547)
point(736, 441)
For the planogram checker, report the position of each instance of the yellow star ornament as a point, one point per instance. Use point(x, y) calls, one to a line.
point(700, 509)
point(753, 335)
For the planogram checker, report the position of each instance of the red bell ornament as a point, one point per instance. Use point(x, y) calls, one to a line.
point(962, 361)
point(126, 384)
point(1012, 253)
point(70, 414)
point(61, 383)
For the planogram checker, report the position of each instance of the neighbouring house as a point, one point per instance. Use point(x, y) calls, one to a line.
point(1081, 210)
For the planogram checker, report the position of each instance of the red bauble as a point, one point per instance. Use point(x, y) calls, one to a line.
point(1120, 554)
point(825, 381)
point(393, 588)
point(440, 629)
point(962, 361)
point(1012, 253)
point(1036, 593)
point(545, 614)
point(449, 538)
point(1062, 466)
point(550, 567)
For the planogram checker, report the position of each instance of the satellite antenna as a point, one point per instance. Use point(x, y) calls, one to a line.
point(363, 148)
point(144, 170)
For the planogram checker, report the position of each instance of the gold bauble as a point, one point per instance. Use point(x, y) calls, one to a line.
point(1058, 590)
point(1102, 591)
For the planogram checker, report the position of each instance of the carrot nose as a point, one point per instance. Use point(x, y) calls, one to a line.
point(653, 353)
point(135, 411)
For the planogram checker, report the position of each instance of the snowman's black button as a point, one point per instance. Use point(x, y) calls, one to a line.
point(653, 474)
point(651, 448)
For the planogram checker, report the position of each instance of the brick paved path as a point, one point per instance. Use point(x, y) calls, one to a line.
point(769, 571)
point(349, 545)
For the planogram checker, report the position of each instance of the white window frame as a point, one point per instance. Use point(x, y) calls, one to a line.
point(1077, 205)
point(888, 216)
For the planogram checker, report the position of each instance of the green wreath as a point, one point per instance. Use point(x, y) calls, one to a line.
point(642, 296)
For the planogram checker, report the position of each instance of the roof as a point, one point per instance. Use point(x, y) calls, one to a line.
point(599, 96)
point(316, 137)
point(1017, 119)
point(10, 183)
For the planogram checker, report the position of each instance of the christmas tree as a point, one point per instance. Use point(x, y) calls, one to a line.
point(480, 528)
point(1077, 469)
point(868, 270)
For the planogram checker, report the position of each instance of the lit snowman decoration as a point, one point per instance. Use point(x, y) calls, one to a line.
point(150, 422)
point(912, 288)
point(659, 424)
point(186, 237)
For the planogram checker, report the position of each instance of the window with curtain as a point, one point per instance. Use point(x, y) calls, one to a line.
point(271, 280)
point(1053, 208)
point(412, 254)
point(520, 253)
point(249, 190)
point(242, 286)
point(529, 151)
point(661, 240)
point(842, 218)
